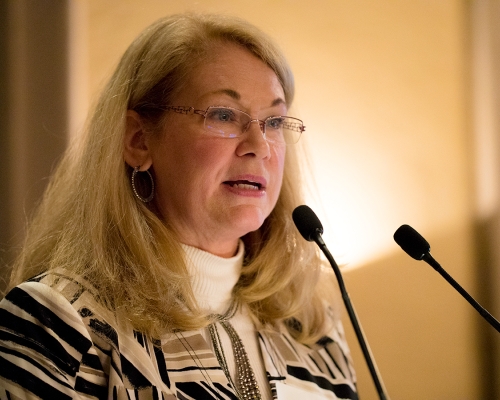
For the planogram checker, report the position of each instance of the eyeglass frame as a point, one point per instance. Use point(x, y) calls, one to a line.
point(262, 123)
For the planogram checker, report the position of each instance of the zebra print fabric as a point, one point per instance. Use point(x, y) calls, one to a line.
point(57, 342)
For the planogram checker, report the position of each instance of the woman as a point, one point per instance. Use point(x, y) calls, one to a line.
point(163, 261)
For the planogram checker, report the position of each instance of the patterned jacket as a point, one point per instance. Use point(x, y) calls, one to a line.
point(57, 342)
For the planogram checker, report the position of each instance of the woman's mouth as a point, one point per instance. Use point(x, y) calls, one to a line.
point(244, 185)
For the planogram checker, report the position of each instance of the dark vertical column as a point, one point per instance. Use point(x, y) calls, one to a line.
point(4, 140)
point(485, 84)
point(34, 110)
point(495, 272)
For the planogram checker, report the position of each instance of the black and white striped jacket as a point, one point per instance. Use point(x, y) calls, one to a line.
point(57, 342)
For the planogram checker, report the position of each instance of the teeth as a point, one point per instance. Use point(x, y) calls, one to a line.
point(246, 186)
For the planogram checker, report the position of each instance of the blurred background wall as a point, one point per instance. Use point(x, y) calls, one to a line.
point(400, 100)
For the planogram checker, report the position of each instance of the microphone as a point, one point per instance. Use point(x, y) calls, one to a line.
point(311, 229)
point(412, 242)
point(418, 248)
point(307, 223)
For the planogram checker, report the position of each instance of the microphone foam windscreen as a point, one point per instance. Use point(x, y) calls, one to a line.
point(412, 242)
point(307, 222)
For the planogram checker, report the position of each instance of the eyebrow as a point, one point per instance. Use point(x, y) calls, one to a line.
point(278, 101)
point(236, 96)
point(230, 92)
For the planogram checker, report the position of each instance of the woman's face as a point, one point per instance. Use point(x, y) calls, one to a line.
point(214, 190)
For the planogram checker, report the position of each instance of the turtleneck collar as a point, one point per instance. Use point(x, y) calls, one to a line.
point(213, 277)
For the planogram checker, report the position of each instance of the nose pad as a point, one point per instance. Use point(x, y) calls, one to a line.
point(252, 144)
point(262, 126)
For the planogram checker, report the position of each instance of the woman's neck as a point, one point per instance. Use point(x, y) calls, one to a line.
point(213, 277)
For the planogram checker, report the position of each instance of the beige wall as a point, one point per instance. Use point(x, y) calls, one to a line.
point(385, 90)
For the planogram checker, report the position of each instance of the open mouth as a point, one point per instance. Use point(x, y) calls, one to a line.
point(245, 185)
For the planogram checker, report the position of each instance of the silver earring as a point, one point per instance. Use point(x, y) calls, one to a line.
point(134, 189)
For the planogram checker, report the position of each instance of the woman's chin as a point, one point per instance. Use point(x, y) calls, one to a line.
point(247, 219)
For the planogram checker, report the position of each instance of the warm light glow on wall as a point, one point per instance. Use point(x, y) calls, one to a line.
point(385, 115)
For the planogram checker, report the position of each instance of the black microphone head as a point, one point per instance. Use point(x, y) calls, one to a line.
point(412, 242)
point(307, 222)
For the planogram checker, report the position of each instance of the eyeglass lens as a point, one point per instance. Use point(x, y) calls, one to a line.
point(231, 123)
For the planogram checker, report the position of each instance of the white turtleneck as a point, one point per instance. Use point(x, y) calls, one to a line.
point(213, 279)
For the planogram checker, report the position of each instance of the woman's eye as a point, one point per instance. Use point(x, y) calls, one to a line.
point(275, 123)
point(221, 114)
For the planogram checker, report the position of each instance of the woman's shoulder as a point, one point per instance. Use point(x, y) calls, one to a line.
point(43, 339)
point(58, 305)
point(46, 303)
point(62, 282)
point(50, 292)
point(54, 331)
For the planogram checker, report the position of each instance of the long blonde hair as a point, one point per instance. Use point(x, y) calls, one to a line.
point(90, 223)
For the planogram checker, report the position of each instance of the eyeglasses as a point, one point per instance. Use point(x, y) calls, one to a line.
point(230, 122)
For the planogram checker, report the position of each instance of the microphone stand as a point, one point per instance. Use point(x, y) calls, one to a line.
point(485, 314)
point(354, 320)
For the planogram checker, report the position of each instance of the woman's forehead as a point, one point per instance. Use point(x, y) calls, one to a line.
point(233, 72)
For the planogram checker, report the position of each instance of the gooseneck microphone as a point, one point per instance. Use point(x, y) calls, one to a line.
point(418, 248)
point(311, 229)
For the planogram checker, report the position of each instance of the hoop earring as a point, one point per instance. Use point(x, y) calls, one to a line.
point(134, 189)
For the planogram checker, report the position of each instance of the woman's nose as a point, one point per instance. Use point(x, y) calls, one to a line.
point(254, 140)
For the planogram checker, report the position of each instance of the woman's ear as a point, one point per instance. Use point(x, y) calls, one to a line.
point(136, 151)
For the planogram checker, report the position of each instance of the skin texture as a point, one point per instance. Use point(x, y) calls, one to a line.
point(206, 185)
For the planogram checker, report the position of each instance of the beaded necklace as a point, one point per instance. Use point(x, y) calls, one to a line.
point(246, 387)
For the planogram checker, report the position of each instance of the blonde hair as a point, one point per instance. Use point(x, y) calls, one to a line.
point(90, 223)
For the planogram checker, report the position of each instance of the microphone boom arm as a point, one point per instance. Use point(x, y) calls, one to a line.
point(484, 313)
point(418, 248)
point(352, 316)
